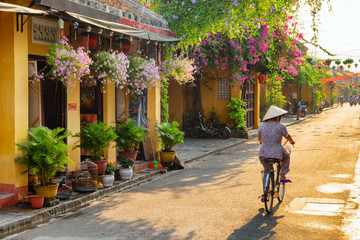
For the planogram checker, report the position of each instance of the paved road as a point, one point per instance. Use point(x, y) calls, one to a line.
point(217, 197)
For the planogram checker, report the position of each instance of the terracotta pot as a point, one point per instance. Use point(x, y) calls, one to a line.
point(108, 180)
point(48, 191)
point(126, 173)
point(131, 155)
point(36, 201)
point(101, 166)
point(167, 157)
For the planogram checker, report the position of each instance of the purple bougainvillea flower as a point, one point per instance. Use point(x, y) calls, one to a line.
point(246, 18)
point(224, 11)
point(193, 1)
point(182, 3)
point(196, 17)
point(236, 3)
point(189, 9)
point(314, 12)
point(253, 4)
point(183, 35)
point(272, 10)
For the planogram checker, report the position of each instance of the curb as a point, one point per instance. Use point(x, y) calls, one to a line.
point(70, 205)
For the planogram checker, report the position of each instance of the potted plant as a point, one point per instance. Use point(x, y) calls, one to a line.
point(128, 135)
point(95, 138)
point(36, 201)
point(45, 153)
point(126, 170)
point(170, 136)
point(109, 178)
point(238, 114)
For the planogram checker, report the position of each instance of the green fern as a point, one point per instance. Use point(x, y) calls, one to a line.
point(129, 134)
point(170, 135)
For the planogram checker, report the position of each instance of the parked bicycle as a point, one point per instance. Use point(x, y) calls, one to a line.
point(273, 187)
point(220, 129)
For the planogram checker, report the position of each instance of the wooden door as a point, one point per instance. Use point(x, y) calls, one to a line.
point(35, 110)
point(249, 98)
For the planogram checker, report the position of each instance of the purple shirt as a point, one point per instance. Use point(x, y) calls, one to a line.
point(271, 133)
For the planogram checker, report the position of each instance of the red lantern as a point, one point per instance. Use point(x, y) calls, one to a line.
point(325, 63)
point(352, 84)
point(341, 66)
point(125, 45)
point(343, 83)
point(334, 82)
point(261, 78)
point(302, 60)
point(93, 40)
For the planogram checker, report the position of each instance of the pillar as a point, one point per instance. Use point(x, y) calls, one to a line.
point(257, 104)
point(154, 116)
point(73, 123)
point(109, 116)
point(13, 105)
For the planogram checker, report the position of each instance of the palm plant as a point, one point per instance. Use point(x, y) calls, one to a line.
point(44, 152)
point(95, 138)
point(129, 134)
point(170, 135)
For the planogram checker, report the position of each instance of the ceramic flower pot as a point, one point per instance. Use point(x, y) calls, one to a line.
point(167, 157)
point(48, 191)
point(108, 180)
point(126, 173)
point(101, 166)
point(36, 201)
point(131, 155)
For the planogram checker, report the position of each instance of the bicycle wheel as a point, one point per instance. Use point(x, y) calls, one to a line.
point(196, 132)
point(302, 113)
point(224, 132)
point(269, 193)
point(281, 191)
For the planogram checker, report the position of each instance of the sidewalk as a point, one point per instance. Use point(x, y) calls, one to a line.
point(22, 216)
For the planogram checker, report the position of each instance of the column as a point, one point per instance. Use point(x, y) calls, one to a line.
point(109, 116)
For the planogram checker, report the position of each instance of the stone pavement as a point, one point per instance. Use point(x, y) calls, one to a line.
point(22, 216)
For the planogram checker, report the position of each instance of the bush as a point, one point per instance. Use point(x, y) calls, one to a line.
point(170, 135)
point(237, 112)
point(129, 134)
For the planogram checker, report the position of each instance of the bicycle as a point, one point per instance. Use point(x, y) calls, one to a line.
point(272, 185)
point(219, 129)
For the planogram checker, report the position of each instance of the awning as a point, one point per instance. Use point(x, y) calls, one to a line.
point(6, 7)
point(121, 28)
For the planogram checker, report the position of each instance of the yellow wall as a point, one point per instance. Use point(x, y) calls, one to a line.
point(13, 97)
point(176, 101)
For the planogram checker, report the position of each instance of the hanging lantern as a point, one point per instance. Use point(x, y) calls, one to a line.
point(302, 60)
point(124, 45)
point(352, 84)
point(343, 83)
point(341, 66)
point(334, 82)
point(93, 40)
point(324, 62)
point(333, 67)
point(75, 26)
point(328, 61)
point(261, 78)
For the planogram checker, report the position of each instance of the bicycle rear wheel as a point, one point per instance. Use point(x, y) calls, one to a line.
point(224, 132)
point(269, 193)
point(196, 132)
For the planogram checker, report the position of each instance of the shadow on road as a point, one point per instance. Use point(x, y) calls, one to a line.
point(260, 227)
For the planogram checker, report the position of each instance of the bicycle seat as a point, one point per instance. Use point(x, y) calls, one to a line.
point(272, 160)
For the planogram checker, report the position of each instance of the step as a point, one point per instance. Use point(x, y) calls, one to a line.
point(139, 165)
point(7, 199)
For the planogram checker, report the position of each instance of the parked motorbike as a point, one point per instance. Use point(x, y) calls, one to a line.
point(220, 129)
point(303, 111)
point(293, 110)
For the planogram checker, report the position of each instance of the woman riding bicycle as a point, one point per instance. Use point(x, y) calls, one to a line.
point(270, 135)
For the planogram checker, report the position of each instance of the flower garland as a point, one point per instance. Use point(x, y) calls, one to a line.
point(143, 73)
point(180, 68)
point(111, 65)
point(66, 64)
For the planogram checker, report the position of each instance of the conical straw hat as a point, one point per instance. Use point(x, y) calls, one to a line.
point(274, 112)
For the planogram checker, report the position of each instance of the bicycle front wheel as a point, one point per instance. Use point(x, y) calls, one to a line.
point(281, 191)
point(269, 193)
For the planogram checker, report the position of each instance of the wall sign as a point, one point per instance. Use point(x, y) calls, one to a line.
point(44, 31)
point(72, 107)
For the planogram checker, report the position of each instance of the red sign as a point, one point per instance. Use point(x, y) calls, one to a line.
point(72, 106)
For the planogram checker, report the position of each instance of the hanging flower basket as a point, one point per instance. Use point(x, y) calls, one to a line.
point(112, 66)
point(143, 73)
point(180, 68)
point(66, 64)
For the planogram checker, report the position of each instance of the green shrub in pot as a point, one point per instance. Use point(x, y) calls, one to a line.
point(170, 135)
point(129, 134)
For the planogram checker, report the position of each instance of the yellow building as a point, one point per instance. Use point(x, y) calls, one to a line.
point(212, 93)
point(26, 33)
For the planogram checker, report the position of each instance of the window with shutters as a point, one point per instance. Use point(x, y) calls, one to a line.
point(223, 88)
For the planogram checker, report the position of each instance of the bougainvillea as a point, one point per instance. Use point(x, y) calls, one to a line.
point(112, 66)
point(66, 64)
